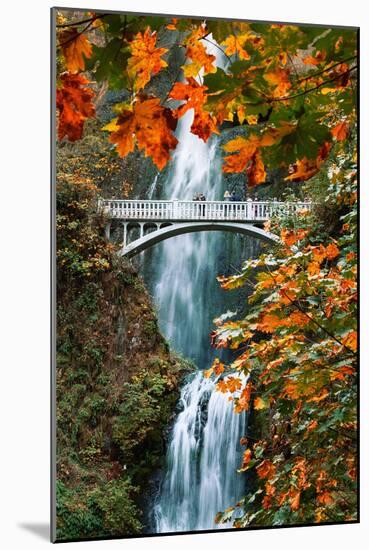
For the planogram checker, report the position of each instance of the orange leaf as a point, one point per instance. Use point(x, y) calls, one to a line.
point(233, 384)
point(319, 57)
point(313, 269)
point(350, 340)
point(266, 469)
point(325, 498)
point(246, 148)
point(150, 125)
point(303, 170)
point(256, 172)
point(204, 124)
point(243, 402)
point(218, 367)
point(332, 251)
point(280, 79)
point(312, 426)
point(222, 386)
point(297, 318)
point(146, 58)
point(75, 47)
point(294, 499)
point(290, 237)
point(319, 253)
point(340, 131)
point(269, 322)
point(260, 403)
point(246, 459)
point(74, 103)
point(196, 51)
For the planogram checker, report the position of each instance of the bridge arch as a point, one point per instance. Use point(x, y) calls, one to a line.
point(147, 241)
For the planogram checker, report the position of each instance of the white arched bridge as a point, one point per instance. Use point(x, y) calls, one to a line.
point(152, 221)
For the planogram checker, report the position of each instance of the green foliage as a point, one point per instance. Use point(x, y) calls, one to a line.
point(101, 380)
point(105, 510)
point(142, 414)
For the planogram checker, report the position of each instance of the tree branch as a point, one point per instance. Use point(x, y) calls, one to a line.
point(72, 38)
point(327, 69)
point(305, 92)
point(77, 23)
point(297, 306)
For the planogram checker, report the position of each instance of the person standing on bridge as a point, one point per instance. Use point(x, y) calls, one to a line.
point(227, 198)
point(196, 198)
point(202, 198)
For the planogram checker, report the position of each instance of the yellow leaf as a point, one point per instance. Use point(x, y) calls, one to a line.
point(350, 340)
point(112, 126)
point(235, 44)
point(208, 373)
point(260, 404)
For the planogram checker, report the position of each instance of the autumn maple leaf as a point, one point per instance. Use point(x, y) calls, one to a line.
point(148, 124)
point(332, 251)
point(306, 168)
point(244, 149)
point(146, 58)
point(256, 172)
point(75, 47)
point(74, 103)
point(235, 45)
point(266, 469)
point(246, 458)
point(294, 500)
point(246, 154)
point(243, 402)
point(280, 79)
point(196, 51)
point(260, 403)
point(350, 340)
point(204, 124)
point(319, 58)
point(340, 131)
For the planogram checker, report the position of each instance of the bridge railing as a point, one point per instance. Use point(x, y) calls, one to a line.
point(173, 210)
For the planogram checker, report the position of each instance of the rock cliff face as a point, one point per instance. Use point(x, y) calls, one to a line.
point(117, 380)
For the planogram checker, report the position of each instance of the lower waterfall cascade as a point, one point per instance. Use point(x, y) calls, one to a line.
point(203, 456)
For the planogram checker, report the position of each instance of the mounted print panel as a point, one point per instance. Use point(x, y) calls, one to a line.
point(205, 239)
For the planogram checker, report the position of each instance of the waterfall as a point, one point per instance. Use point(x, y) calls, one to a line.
point(203, 457)
point(200, 477)
point(204, 452)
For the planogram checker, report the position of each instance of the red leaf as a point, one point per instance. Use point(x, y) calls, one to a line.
point(74, 103)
